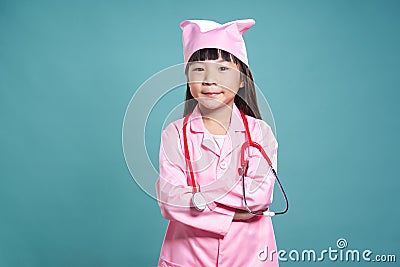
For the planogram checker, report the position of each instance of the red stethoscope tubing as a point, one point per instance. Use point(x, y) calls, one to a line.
point(195, 186)
point(249, 143)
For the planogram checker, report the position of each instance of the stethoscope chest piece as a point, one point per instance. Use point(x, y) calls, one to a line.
point(199, 201)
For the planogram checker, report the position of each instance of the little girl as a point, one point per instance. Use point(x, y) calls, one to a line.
point(205, 147)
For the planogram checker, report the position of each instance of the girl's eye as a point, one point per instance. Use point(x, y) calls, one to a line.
point(198, 69)
point(223, 68)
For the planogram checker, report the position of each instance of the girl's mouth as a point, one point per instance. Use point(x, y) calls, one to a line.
point(212, 94)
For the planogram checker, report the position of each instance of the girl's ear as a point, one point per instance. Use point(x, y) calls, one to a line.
point(242, 77)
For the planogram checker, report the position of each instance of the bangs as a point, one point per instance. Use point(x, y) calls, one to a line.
point(213, 54)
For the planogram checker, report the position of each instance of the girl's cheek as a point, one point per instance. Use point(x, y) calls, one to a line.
point(232, 85)
point(194, 89)
point(196, 77)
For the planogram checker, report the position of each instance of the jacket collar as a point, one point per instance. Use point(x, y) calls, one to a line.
point(197, 125)
point(234, 135)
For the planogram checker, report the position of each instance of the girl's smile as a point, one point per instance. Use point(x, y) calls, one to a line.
point(211, 93)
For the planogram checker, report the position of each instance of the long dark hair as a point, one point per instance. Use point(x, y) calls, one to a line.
point(245, 98)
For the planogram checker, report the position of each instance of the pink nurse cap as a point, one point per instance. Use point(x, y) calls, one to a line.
point(198, 34)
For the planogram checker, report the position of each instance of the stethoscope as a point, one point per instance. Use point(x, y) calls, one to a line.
point(198, 200)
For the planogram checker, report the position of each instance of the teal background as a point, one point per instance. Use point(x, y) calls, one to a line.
point(68, 69)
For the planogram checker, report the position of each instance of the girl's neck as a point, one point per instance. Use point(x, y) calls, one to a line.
point(216, 121)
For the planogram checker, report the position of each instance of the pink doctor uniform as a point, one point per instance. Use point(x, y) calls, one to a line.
point(211, 237)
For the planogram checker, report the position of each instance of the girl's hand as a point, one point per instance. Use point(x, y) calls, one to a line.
point(243, 215)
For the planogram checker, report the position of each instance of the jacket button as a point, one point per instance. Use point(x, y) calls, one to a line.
point(223, 165)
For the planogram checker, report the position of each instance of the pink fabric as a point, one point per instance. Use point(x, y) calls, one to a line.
point(198, 34)
point(211, 237)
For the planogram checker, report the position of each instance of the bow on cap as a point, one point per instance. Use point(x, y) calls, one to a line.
point(198, 34)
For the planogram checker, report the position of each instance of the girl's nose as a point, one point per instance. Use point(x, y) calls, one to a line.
point(210, 78)
point(208, 83)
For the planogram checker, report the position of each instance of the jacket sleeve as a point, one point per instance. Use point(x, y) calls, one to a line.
point(174, 195)
point(259, 179)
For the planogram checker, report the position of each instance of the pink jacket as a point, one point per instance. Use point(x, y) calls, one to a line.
point(211, 237)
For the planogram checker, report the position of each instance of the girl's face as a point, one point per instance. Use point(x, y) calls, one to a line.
point(214, 83)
